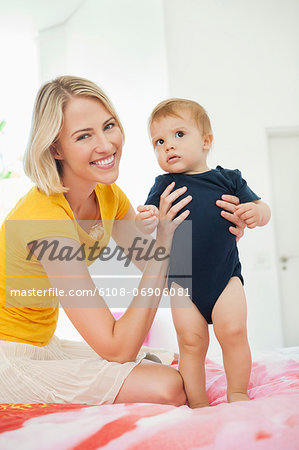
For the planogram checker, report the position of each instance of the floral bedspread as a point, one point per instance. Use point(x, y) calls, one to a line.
point(269, 421)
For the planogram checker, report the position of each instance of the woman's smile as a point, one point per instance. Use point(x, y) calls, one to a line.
point(104, 163)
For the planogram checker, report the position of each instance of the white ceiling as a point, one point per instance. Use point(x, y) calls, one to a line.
point(34, 15)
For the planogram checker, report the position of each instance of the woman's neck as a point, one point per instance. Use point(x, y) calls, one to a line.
point(82, 200)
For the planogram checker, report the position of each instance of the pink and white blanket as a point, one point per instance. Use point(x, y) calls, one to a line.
point(269, 421)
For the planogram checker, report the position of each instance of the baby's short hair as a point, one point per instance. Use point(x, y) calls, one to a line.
point(173, 106)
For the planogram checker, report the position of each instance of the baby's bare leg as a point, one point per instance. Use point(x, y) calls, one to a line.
point(193, 340)
point(229, 321)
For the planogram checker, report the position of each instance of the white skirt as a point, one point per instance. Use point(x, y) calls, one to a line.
point(62, 372)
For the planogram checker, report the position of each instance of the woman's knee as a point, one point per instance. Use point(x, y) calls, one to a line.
point(172, 389)
point(153, 383)
point(166, 386)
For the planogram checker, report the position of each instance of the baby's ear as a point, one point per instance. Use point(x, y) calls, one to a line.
point(207, 142)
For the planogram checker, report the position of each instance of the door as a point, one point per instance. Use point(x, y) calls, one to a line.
point(284, 167)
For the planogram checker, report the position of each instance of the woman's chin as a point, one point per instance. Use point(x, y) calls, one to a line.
point(109, 177)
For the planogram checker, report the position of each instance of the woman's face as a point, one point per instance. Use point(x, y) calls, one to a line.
point(89, 144)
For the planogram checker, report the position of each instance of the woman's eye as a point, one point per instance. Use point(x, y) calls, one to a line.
point(179, 134)
point(160, 142)
point(83, 136)
point(109, 126)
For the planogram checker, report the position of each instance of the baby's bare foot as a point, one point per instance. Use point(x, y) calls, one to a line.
point(199, 405)
point(237, 397)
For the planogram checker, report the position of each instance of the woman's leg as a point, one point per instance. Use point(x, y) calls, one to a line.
point(193, 339)
point(229, 320)
point(150, 382)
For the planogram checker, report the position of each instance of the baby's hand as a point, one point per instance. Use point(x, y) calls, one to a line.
point(249, 213)
point(147, 218)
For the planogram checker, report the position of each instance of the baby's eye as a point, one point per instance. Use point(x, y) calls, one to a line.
point(83, 136)
point(160, 142)
point(179, 134)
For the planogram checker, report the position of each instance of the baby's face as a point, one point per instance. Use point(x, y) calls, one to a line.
point(179, 144)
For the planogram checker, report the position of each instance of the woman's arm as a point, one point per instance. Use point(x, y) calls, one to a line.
point(115, 340)
point(125, 232)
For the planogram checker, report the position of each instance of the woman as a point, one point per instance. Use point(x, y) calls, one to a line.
point(73, 158)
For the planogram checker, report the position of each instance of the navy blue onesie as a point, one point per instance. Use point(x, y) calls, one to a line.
point(215, 256)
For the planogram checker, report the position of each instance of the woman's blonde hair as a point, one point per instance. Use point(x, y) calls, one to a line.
point(173, 107)
point(39, 162)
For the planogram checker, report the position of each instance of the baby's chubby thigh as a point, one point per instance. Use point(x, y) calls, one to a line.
point(229, 314)
point(191, 327)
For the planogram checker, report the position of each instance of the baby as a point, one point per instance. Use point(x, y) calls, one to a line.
point(182, 137)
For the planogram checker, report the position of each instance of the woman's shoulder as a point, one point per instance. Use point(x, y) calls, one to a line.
point(109, 192)
point(36, 216)
point(114, 202)
point(108, 187)
point(36, 205)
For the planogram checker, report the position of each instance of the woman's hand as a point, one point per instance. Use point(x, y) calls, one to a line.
point(148, 216)
point(229, 203)
point(169, 220)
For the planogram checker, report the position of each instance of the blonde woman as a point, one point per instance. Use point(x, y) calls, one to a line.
point(73, 158)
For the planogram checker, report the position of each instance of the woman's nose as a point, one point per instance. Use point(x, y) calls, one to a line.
point(103, 145)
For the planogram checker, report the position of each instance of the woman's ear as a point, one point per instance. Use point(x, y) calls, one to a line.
point(55, 151)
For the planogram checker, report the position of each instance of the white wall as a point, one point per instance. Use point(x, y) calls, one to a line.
point(239, 60)
point(120, 45)
point(52, 52)
point(236, 58)
point(18, 85)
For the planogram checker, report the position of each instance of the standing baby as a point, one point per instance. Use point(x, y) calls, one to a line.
point(182, 137)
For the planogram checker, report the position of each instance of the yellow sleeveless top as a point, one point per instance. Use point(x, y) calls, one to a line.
point(33, 320)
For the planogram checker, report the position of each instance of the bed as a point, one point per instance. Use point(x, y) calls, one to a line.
point(269, 421)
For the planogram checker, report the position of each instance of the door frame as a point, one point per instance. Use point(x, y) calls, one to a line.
point(279, 132)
